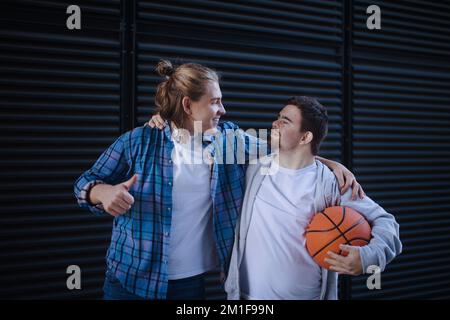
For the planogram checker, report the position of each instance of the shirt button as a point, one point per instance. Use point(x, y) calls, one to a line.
point(170, 161)
point(166, 234)
point(165, 261)
point(169, 208)
point(170, 183)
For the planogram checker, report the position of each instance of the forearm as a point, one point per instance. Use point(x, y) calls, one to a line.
point(385, 244)
point(110, 168)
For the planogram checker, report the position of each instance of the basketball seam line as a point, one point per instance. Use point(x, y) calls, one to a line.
point(352, 227)
point(349, 229)
point(357, 238)
point(340, 222)
point(337, 226)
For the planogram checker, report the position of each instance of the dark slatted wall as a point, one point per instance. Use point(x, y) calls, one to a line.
point(66, 95)
point(401, 142)
point(59, 109)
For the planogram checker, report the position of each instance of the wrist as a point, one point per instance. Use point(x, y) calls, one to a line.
point(96, 193)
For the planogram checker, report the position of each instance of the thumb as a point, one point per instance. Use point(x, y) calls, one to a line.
point(347, 248)
point(130, 182)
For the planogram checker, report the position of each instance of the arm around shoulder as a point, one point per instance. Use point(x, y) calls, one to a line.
point(385, 244)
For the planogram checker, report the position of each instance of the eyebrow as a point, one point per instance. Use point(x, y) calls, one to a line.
point(218, 98)
point(284, 117)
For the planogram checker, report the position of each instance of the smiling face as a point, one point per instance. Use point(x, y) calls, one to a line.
point(289, 134)
point(208, 109)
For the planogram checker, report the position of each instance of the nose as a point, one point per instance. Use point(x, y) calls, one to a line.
point(275, 124)
point(222, 110)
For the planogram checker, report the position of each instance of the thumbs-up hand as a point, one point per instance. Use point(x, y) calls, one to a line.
point(116, 200)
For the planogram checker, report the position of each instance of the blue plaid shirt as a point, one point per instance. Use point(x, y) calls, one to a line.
point(139, 250)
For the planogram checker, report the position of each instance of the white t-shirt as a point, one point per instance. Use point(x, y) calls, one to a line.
point(276, 264)
point(192, 248)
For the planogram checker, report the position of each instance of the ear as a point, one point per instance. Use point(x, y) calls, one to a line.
point(186, 102)
point(306, 138)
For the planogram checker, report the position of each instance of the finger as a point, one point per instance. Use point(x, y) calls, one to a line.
point(122, 205)
point(113, 212)
point(337, 257)
point(340, 178)
point(119, 208)
point(156, 122)
point(339, 270)
point(361, 192)
point(151, 123)
point(348, 248)
point(160, 121)
point(333, 262)
point(348, 183)
point(355, 190)
point(128, 198)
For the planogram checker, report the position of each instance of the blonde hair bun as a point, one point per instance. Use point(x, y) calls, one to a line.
point(165, 68)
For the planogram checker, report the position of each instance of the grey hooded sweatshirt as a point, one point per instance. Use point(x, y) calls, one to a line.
point(383, 247)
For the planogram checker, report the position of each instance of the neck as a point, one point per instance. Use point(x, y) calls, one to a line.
point(187, 128)
point(295, 159)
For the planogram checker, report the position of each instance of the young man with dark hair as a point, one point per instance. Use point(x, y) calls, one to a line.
point(283, 192)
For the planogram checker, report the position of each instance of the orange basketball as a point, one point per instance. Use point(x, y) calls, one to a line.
point(333, 227)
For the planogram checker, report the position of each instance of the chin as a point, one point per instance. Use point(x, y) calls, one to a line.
point(212, 128)
point(275, 144)
point(274, 139)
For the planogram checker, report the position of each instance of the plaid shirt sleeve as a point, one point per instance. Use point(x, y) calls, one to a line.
point(112, 167)
point(253, 146)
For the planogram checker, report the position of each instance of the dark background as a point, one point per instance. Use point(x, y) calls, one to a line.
point(67, 94)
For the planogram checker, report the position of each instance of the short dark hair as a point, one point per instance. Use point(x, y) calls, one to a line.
point(314, 119)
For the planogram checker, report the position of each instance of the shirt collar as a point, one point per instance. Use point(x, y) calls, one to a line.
point(168, 133)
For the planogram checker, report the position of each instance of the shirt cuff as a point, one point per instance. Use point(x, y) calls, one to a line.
point(368, 258)
point(84, 202)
